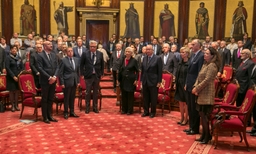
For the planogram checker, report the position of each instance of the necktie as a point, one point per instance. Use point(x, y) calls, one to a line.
point(93, 57)
point(49, 57)
point(80, 51)
point(118, 54)
point(149, 58)
point(238, 53)
point(71, 62)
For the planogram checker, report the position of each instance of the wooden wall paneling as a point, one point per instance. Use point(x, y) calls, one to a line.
point(219, 19)
point(183, 21)
point(78, 3)
point(253, 37)
point(148, 19)
point(45, 17)
point(7, 19)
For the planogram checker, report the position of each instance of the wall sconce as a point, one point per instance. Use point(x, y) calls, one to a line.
point(98, 3)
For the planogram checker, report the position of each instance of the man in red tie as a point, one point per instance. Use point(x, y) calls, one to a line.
point(236, 59)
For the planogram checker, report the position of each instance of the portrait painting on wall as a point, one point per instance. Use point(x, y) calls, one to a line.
point(131, 19)
point(238, 18)
point(201, 19)
point(25, 16)
point(166, 18)
point(63, 17)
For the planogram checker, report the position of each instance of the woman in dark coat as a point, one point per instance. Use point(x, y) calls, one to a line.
point(13, 66)
point(180, 81)
point(128, 75)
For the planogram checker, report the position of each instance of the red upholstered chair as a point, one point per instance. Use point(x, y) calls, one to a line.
point(225, 78)
point(238, 121)
point(27, 67)
point(82, 90)
point(28, 90)
point(59, 96)
point(4, 94)
point(164, 90)
point(138, 93)
point(216, 86)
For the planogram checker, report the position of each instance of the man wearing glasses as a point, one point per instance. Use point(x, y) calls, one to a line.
point(48, 68)
point(92, 67)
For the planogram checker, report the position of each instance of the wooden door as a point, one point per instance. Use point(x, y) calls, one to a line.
point(98, 30)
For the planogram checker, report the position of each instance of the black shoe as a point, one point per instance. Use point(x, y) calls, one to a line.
point(144, 115)
point(129, 113)
point(114, 90)
point(46, 121)
point(205, 141)
point(187, 130)
point(65, 116)
point(96, 111)
point(184, 124)
point(16, 108)
point(180, 122)
point(192, 132)
point(200, 139)
point(123, 112)
point(52, 119)
point(253, 134)
point(73, 115)
point(152, 115)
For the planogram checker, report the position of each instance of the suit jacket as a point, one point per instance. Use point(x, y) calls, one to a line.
point(86, 44)
point(171, 63)
point(2, 59)
point(46, 67)
point(236, 61)
point(23, 55)
point(151, 72)
point(86, 65)
point(253, 76)
point(248, 44)
point(243, 75)
point(68, 75)
point(116, 62)
point(205, 84)
point(128, 74)
point(225, 58)
point(33, 63)
point(76, 54)
point(60, 55)
point(194, 67)
point(158, 49)
point(108, 47)
point(139, 47)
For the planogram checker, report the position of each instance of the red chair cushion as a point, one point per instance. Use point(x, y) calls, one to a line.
point(233, 123)
point(59, 96)
point(137, 95)
point(4, 93)
point(29, 101)
point(162, 97)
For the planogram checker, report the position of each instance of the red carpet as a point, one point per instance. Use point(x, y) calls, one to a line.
point(106, 133)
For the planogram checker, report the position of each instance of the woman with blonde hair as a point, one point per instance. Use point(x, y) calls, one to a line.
point(127, 76)
point(181, 76)
point(105, 55)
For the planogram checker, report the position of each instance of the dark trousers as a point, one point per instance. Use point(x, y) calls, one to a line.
point(127, 101)
point(69, 98)
point(48, 91)
point(92, 84)
point(114, 74)
point(150, 98)
point(240, 99)
point(194, 119)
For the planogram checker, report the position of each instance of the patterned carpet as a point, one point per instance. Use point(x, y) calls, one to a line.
point(108, 132)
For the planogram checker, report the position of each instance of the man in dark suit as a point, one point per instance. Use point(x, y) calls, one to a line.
point(247, 42)
point(138, 45)
point(253, 82)
point(236, 59)
point(115, 62)
point(151, 77)
point(49, 69)
point(69, 79)
point(79, 49)
point(21, 53)
point(33, 63)
point(170, 62)
point(2, 60)
point(157, 49)
point(85, 42)
point(111, 46)
point(225, 56)
point(65, 41)
point(92, 66)
point(195, 64)
point(243, 75)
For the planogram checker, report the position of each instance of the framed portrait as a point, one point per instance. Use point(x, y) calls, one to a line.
point(104, 3)
point(131, 18)
point(26, 16)
point(239, 17)
point(166, 18)
point(201, 18)
point(62, 17)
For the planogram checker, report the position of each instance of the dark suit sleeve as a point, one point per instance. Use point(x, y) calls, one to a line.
point(228, 57)
point(175, 65)
point(33, 63)
point(82, 62)
point(8, 69)
point(102, 64)
point(159, 69)
point(3, 58)
point(61, 70)
point(41, 67)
